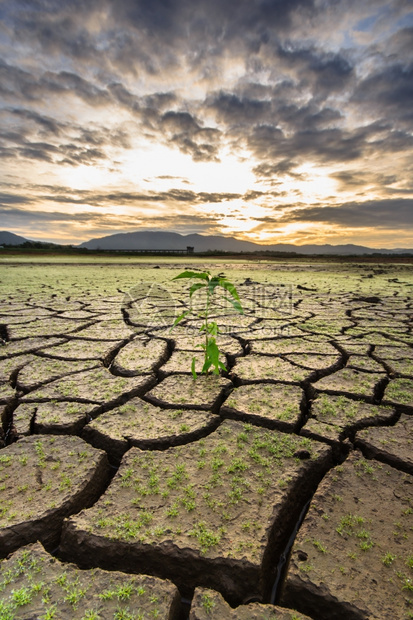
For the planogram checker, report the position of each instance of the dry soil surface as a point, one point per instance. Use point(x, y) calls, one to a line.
point(281, 488)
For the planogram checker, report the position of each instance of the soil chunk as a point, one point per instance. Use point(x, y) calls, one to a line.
point(263, 368)
point(393, 353)
point(6, 392)
point(362, 362)
point(141, 356)
point(393, 445)
point(137, 423)
point(43, 480)
point(111, 329)
point(98, 386)
point(43, 370)
point(28, 345)
point(212, 513)
point(79, 349)
point(45, 327)
point(313, 362)
point(349, 414)
point(350, 381)
point(55, 417)
point(352, 557)
point(293, 346)
point(174, 391)
point(10, 365)
point(208, 604)
point(271, 405)
point(37, 585)
point(400, 392)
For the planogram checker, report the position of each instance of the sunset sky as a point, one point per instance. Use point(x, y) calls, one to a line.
point(274, 121)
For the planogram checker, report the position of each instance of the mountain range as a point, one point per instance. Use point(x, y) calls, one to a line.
point(8, 238)
point(150, 240)
point(161, 240)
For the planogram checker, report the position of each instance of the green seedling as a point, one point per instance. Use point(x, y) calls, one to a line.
point(208, 283)
point(207, 603)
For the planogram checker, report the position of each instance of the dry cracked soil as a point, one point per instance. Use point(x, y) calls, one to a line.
point(282, 488)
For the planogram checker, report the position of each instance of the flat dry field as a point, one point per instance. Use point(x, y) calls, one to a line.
point(282, 488)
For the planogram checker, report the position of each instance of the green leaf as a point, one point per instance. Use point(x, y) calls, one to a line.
point(213, 283)
point(201, 275)
point(195, 287)
point(228, 286)
point(193, 368)
point(213, 328)
point(236, 304)
point(207, 365)
point(180, 318)
point(212, 354)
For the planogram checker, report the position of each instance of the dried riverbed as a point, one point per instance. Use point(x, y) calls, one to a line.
point(281, 489)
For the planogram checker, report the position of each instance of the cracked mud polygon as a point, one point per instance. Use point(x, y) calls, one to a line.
point(116, 459)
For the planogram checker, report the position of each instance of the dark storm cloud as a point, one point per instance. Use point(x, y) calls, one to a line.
point(393, 213)
point(66, 195)
point(185, 131)
point(10, 199)
point(101, 223)
point(181, 129)
point(128, 198)
point(210, 21)
point(325, 145)
point(24, 216)
point(168, 28)
point(47, 124)
point(324, 72)
point(71, 154)
point(285, 167)
point(278, 83)
point(234, 109)
point(389, 91)
point(25, 86)
point(69, 82)
point(352, 179)
point(26, 134)
point(137, 35)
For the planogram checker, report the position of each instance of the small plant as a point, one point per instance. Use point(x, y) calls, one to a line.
point(210, 329)
point(90, 614)
point(318, 545)
point(388, 559)
point(207, 603)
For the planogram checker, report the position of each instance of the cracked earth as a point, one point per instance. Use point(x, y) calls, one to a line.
point(280, 489)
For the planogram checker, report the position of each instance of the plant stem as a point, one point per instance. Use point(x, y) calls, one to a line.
point(206, 328)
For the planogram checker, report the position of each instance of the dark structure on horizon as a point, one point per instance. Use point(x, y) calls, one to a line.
point(189, 250)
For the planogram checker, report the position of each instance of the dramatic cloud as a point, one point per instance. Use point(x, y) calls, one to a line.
point(384, 214)
point(270, 120)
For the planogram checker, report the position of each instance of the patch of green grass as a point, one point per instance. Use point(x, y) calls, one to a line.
point(207, 603)
point(388, 559)
point(319, 546)
point(206, 537)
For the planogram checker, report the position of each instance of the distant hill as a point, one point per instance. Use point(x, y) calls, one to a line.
point(148, 240)
point(162, 240)
point(8, 238)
